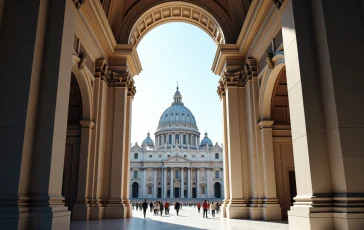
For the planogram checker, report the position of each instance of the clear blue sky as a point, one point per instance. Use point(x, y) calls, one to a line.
point(169, 53)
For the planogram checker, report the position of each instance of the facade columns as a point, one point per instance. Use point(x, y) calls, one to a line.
point(144, 184)
point(189, 187)
point(198, 183)
point(34, 112)
point(271, 207)
point(164, 182)
point(171, 185)
point(182, 184)
point(222, 175)
point(155, 183)
point(208, 179)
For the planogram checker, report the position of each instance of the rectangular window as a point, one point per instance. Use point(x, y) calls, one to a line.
point(150, 156)
point(203, 190)
point(150, 190)
point(217, 174)
point(202, 156)
point(177, 174)
point(184, 139)
point(170, 139)
point(169, 155)
point(160, 156)
point(135, 173)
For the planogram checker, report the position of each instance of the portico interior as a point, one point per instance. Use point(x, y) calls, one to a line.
point(290, 95)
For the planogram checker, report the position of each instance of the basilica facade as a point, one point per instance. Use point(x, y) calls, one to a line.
point(177, 164)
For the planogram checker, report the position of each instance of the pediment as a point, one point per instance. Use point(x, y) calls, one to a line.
point(217, 148)
point(177, 159)
point(136, 148)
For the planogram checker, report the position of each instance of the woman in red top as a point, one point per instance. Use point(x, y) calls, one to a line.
point(166, 205)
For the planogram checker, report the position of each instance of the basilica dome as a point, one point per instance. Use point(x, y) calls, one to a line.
point(177, 114)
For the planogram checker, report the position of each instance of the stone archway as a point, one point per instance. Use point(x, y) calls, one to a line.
point(176, 12)
point(217, 189)
point(135, 190)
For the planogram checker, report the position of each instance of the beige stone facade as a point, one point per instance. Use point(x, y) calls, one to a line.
point(291, 95)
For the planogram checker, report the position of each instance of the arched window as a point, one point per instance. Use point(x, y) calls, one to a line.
point(177, 138)
point(216, 156)
point(170, 139)
point(202, 189)
point(135, 155)
point(184, 139)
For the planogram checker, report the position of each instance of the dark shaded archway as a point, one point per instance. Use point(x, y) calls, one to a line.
point(217, 187)
point(73, 141)
point(135, 190)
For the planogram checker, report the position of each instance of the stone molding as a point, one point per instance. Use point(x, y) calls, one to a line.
point(176, 12)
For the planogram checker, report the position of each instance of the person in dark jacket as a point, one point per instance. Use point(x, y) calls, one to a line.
point(151, 206)
point(177, 206)
point(161, 207)
point(145, 207)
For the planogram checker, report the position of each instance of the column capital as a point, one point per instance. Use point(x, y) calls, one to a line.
point(265, 124)
point(87, 124)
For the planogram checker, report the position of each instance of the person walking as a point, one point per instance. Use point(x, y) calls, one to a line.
point(145, 207)
point(166, 206)
point(208, 207)
point(213, 208)
point(151, 206)
point(198, 207)
point(177, 206)
point(161, 207)
point(204, 207)
point(156, 208)
point(217, 207)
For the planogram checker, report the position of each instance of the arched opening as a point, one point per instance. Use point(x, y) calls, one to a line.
point(217, 189)
point(176, 11)
point(282, 144)
point(177, 130)
point(73, 141)
point(135, 190)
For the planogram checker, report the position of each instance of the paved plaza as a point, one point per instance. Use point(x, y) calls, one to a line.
point(188, 218)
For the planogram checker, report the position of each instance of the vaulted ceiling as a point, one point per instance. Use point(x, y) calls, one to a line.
point(124, 14)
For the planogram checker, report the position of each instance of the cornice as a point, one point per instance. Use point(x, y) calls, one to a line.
point(126, 54)
point(223, 52)
point(94, 31)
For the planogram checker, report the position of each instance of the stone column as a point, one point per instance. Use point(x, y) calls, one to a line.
point(164, 182)
point(222, 183)
point(226, 178)
point(237, 204)
point(34, 108)
point(171, 184)
point(155, 183)
point(327, 125)
point(198, 182)
point(189, 181)
point(81, 209)
point(208, 182)
point(114, 207)
point(144, 185)
point(182, 184)
point(271, 207)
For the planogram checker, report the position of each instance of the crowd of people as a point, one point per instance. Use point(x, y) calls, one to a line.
point(158, 207)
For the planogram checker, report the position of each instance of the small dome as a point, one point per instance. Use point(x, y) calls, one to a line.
point(206, 140)
point(148, 141)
